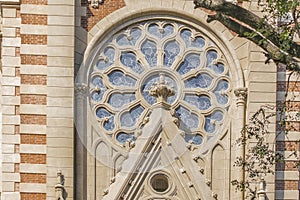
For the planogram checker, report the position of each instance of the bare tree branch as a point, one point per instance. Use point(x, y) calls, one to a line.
point(244, 22)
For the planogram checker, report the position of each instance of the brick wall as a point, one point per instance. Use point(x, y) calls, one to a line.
point(288, 127)
point(93, 16)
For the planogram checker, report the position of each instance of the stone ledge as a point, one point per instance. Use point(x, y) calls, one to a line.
point(33, 89)
point(33, 148)
point(33, 109)
point(11, 139)
point(33, 49)
point(34, 29)
point(33, 187)
point(10, 196)
point(33, 168)
point(34, 9)
point(11, 177)
point(33, 69)
point(33, 129)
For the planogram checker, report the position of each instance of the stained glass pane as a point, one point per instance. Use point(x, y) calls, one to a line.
point(99, 90)
point(217, 68)
point(186, 34)
point(97, 81)
point(129, 37)
point(202, 102)
point(220, 93)
point(210, 121)
point(129, 60)
point(118, 78)
point(195, 139)
point(217, 115)
point(211, 56)
point(107, 60)
point(102, 113)
point(149, 49)
point(191, 61)
point(123, 137)
point(198, 42)
point(171, 50)
point(188, 119)
point(118, 100)
point(135, 34)
point(209, 127)
point(160, 32)
point(201, 81)
point(189, 41)
point(123, 40)
point(128, 119)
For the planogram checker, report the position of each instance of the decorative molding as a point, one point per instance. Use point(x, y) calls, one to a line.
point(95, 3)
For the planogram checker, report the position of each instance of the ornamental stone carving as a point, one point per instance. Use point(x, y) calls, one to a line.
point(95, 3)
point(161, 90)
point(80, 90)
point(241, 94)
point(59, 187)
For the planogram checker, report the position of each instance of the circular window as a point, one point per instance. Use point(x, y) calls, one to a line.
point(159, 183)
point(126, 65)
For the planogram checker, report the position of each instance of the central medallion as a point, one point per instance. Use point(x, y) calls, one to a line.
point(159, 80)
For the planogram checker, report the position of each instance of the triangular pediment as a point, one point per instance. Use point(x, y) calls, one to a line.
point(159, 166)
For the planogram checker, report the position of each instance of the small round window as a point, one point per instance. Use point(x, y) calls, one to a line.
point(159, 183)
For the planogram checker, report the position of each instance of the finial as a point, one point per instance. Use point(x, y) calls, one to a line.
point(59, 187)
point(161, 89)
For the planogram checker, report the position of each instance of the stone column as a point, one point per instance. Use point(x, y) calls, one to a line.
point(80, 141)
point(239, 150)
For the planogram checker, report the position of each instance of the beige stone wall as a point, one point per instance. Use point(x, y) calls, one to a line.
point(11, 43)
point(60, 78)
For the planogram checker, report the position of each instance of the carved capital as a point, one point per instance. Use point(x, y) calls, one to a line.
point(95, 3)
point(80, 90)
point(241, 94)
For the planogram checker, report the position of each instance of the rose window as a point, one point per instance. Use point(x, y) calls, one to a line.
point(130, 62)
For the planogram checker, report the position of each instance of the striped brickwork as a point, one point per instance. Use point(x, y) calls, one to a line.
point(33, 99)
point(288, 127)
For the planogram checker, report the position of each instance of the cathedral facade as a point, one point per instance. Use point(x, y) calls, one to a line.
point(131, 99)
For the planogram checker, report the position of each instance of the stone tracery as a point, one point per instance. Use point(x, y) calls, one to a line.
point(132, 61)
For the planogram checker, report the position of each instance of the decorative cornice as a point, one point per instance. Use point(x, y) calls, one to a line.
point(95, 3)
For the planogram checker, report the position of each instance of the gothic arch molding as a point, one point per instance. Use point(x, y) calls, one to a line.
point(122, 19)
